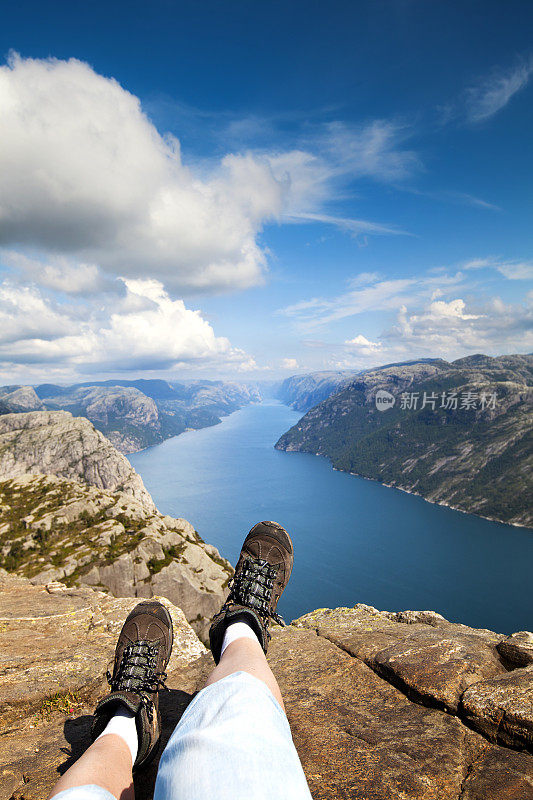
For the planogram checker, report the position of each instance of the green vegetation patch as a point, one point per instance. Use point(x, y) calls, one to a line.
point(172, 553)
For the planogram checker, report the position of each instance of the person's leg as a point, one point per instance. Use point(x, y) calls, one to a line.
point(107, 763)
point(246, 655)
point(126, 726)
point(233, 741)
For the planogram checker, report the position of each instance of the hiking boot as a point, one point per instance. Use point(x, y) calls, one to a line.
point(262, 573)
point(141, 656)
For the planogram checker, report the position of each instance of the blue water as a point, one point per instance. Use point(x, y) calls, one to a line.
point(355, 540)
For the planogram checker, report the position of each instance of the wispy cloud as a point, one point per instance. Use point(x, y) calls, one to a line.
point(512, 270)
point(447, 328)
point(376, 149)
point(372, 294)
point(352, 226)
point(484, 99)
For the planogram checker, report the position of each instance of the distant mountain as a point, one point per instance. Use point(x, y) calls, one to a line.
point(302, 392)
point(14, 399)
point(135, 414)
point(156, 389)
point(456, 433)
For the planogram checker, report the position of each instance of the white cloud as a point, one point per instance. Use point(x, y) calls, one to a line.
point(85, 172)
point(451, 330)
point(86, 176)
point(289, 363)
point(369, 292)
point(373, 150)
point(448, 331)
point(61, 274)
point(145, 330)
point(377, 295)
point(363, 346)
point(427, 317)
point(440, 310)
point(25, 316)
point(493, 93)
point(512, 270)
point(353, 226)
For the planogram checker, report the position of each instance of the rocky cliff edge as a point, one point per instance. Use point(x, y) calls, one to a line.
point(382, 706)
point(70, 447)
point(56, 529)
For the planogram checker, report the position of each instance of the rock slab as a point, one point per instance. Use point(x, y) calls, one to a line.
point(359, 737)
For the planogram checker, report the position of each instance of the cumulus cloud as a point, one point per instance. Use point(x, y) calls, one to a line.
point(363, 346)
point(87, 176)
point(490, 95)
point(449, 330)
point(145, 330)
point(289, 363)
point(85, 172)
point(452, 329)
point(425, 315)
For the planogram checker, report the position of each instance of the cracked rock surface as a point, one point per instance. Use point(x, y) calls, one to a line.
point(361, 733)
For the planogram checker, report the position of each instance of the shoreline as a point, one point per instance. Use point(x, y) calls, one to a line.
point(443, 503)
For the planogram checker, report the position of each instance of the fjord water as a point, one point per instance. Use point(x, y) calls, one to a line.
point(355, 540)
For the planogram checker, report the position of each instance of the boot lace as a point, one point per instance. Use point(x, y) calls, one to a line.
point(136, 672)
point(253, 587)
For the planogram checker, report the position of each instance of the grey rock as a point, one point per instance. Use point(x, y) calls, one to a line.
point(70, 447)
point(22, 398)
point(86, 536)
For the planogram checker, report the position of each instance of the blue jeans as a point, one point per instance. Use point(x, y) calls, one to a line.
point(232, 743)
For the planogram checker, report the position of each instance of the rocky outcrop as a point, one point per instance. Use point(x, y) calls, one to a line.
point(438, 664)
point(361, 733)
point(458, 434)
point(70, 447)
point(19, 398)
point(57, 644)
point(55, 529)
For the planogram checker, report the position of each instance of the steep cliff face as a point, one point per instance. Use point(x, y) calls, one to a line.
point(302, 392)
point(381, 705)
point(73, 509)
point(458, 434)
point(55, 529)
point(70, 447)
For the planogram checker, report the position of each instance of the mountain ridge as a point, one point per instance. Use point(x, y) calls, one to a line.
point(474, 459)
point(134, 414)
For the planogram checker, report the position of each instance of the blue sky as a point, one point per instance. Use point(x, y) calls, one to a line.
point(249, 190)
